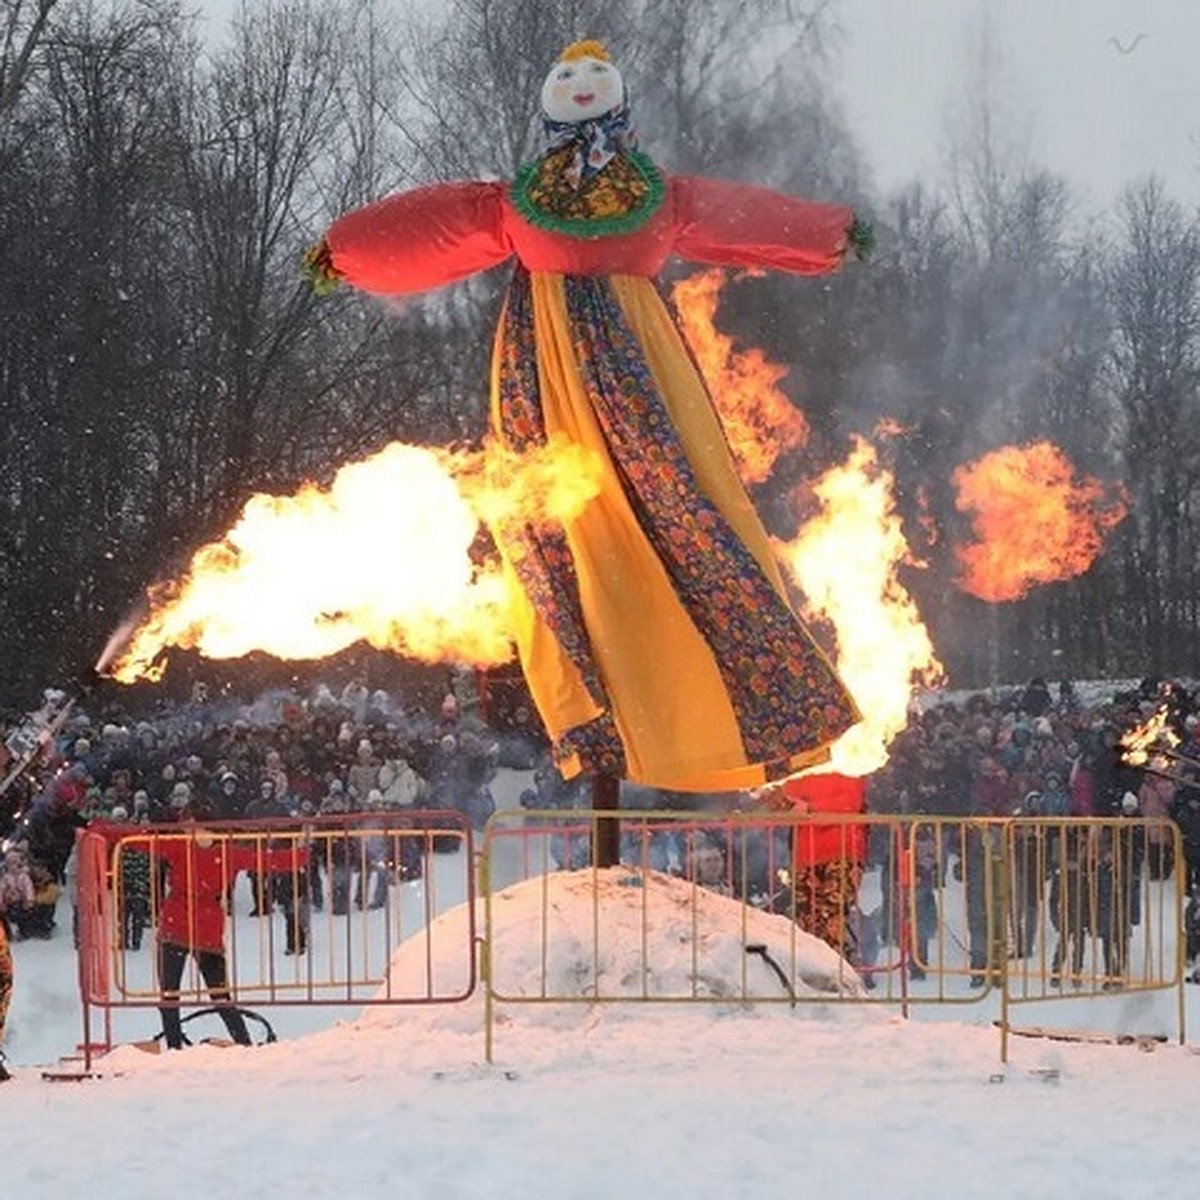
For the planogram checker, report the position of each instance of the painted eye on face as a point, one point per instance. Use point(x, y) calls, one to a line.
point(566, 73)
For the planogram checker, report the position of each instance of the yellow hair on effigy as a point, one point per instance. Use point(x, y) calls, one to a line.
point(589, 48)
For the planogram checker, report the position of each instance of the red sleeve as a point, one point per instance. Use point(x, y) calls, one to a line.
point(421, 239)
point(740, 225)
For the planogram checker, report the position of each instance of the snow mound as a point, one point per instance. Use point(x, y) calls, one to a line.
point(611, 934)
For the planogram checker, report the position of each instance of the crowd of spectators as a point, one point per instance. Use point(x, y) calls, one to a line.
point(283, 755)
point(1042, 751)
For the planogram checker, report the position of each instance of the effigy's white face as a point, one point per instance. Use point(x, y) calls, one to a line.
point(581, 89)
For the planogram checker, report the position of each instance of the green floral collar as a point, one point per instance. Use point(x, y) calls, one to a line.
point(615, 212)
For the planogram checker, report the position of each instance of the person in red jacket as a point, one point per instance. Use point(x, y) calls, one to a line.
point(654, 627)
point(828, 859)
point(200, 869)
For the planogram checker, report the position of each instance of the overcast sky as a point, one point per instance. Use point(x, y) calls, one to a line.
point(1097, 115)
point(1107, 90)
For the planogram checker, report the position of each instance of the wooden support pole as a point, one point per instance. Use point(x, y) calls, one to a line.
point(606, 794)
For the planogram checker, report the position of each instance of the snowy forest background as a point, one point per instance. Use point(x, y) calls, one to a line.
point(161, 358)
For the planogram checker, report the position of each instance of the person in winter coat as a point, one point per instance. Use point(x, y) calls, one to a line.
point(229, 795)
point(275, 772)
point(52, 822)
point(200, 866)
point(46, 891)
point(828, 859)
point(265, 806)
point(363, 776)
point(1071, 899)
point(991, 796)
point(134, 893)
point(401, 786)
point(1185, 812)
point(1155, 798)
point(16, 890)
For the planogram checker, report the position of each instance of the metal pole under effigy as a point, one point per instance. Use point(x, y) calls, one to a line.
point(606, 796)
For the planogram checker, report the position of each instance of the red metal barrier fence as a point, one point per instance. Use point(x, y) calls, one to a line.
point(336, 895)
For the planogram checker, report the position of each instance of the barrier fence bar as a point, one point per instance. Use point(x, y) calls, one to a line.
point(337, 897)
point(945, 911)
point(938, 911)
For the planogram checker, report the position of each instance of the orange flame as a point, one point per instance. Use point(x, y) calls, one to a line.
point(760, 421)
point(381, 555)
point(845, 561)
point(1034, 521)
point(1154, 733)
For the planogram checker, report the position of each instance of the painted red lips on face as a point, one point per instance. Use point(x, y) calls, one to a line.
point(584, 98)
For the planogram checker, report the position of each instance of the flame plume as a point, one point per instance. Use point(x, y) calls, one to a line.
point(1153, 735)
point(845, 561)
point(760, 422)
point(382, 555)
point(1033, 520)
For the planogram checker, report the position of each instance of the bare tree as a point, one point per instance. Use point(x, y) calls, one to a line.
point(266, 137)
point(731, 87)
point(23, 27)
point(82, 336)
point(987, 149)
point(1154, 290)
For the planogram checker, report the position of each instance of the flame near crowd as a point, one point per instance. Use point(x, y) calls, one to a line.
point(1034, 521)
point(845, 560)
point(385, 553)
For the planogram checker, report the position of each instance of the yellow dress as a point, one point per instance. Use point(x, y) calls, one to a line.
point(654, 629)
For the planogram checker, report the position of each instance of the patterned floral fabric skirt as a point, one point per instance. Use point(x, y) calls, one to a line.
point(654, 629)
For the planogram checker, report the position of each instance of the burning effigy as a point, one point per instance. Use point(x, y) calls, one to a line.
point(654, 627)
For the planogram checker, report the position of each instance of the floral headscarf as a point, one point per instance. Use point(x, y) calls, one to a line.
point(594, 143)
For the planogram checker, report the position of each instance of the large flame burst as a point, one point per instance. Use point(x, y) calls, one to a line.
point(760, 422)
point(846, 562)
point(1034, 521)
point(383, 555)
point(387, 553)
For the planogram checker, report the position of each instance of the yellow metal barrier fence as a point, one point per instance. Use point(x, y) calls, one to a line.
point(937, 910)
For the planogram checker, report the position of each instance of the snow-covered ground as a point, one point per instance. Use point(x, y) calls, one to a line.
point(589, 1101)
